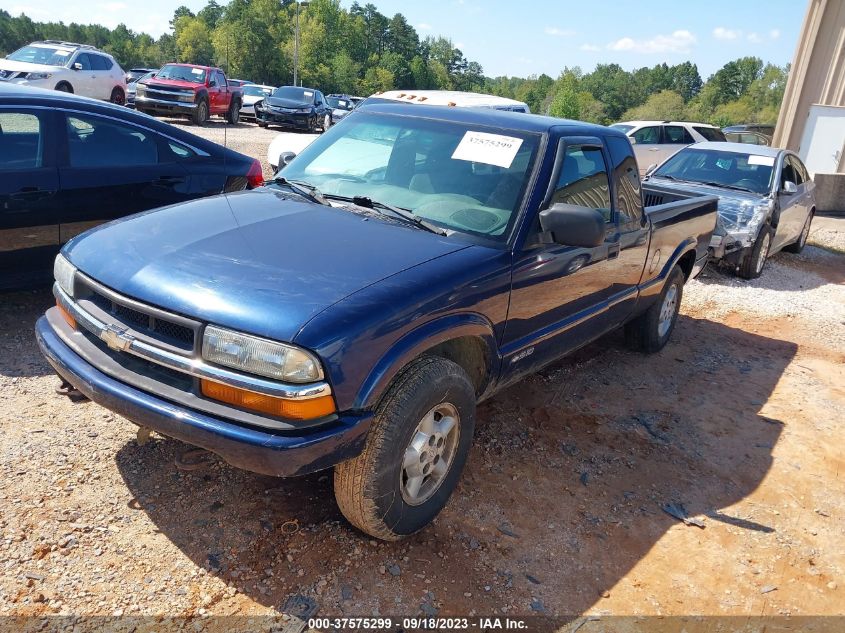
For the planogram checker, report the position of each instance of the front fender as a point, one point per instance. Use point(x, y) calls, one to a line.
point(418, 341)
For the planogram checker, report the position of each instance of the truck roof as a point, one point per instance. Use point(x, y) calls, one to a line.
point(494, 118)
point(445, 97)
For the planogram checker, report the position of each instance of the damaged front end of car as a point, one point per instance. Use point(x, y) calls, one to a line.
point(738, 224)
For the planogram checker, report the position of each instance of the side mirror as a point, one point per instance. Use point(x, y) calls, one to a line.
point(285, 158)
point(789, 187)
point(650, 169)
point(76, 66)
point(572, 225)
point(633, 140)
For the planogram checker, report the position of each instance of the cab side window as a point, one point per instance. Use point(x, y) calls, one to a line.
point(21, 141)
point(788, 173)
point(796, 169)
point(583, 180)
point(626, 179)
point(85, 61)
point(647, 135)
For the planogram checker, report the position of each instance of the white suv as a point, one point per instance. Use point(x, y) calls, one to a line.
point(68, 67)
point(655, 141)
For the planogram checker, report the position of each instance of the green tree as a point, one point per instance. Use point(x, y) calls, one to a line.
point(666, 105)
point(193, 41)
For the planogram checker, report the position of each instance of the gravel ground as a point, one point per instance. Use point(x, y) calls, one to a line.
point(559, 511)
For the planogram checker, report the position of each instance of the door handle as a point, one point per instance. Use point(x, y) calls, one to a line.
point(31, 193)
point(169, 180)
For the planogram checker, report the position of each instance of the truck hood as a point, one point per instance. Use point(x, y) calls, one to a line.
point(740, 213)
point(9, 64)
point(263, 262)
point(280, 102)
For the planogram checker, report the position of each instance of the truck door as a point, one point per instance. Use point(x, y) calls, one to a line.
point(564, 296)
point(29, 215)
point(218, 93)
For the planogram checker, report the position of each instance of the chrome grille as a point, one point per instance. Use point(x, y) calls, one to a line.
point(146, 323)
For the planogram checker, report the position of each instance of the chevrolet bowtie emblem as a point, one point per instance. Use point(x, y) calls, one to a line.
point(116, 338)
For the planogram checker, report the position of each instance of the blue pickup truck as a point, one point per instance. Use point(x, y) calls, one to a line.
point(350, 314)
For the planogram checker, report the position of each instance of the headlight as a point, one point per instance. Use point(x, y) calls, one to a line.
point(140, 89)
point(742, 215)
point(259, 105)
point(283, 362)
point(31, 76)
point(64, 272)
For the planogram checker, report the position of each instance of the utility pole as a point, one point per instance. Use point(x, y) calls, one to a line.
point(296, 43)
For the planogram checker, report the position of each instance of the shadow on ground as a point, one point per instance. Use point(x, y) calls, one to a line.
point(19, 355)
point(562, 495)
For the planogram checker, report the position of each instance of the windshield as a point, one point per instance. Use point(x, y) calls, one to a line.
point(339, 103)
point(300, 95)
point(461, 177)
point(47, 55)
point(182, 73)
point(256, 91)
point(731, 169)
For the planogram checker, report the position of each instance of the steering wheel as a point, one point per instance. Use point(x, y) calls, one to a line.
point(747, 183)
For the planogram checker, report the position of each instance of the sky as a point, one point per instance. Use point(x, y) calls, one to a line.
point(512, 37)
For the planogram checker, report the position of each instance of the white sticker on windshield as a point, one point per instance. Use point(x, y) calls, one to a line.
point(64, 51)
point(490, 149)
point(196, 71)
point(308, 93)
point(768, 161)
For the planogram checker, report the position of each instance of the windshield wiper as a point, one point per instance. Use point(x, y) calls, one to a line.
point(408, 216)
point(713, 183)
point(304, 189)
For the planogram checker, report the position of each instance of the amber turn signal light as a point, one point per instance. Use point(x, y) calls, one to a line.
point(67, 317)
point(280, 407)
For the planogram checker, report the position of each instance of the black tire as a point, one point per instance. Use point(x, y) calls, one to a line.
point(64, 86)
point(200, 115)
point(261, 123)
point(118, 97)
point(312, 124)
point(798, 245)
point(754, 260)
point(371, 489)
point(650, 331)
point(234, 113)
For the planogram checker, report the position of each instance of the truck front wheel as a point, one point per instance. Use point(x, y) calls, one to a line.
point(415, 452)
point(650, 331)
point(200, 115)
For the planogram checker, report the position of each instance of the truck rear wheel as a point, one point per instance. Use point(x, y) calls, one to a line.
point(200, 115)
point(415, 452)
point(234, 113)
point(650, 331)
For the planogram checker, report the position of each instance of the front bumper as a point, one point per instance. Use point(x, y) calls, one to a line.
point(284, 118)
point(244, 447)
point(729, 248)
point(163, 105)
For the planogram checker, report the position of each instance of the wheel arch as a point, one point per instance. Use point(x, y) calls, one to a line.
point(465, 339)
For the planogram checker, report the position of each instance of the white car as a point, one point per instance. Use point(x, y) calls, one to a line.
point(655, 141)
point(253, 93)
point(287, 143)
point(66, 66)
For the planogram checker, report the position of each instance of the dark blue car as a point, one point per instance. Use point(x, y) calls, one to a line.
point(405, 266)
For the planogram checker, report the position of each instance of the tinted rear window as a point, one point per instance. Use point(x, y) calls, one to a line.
point(710, 133)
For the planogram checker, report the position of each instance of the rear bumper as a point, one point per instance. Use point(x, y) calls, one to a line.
point(251, 449)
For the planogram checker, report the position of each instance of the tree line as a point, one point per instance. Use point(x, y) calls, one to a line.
point(361, 51)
